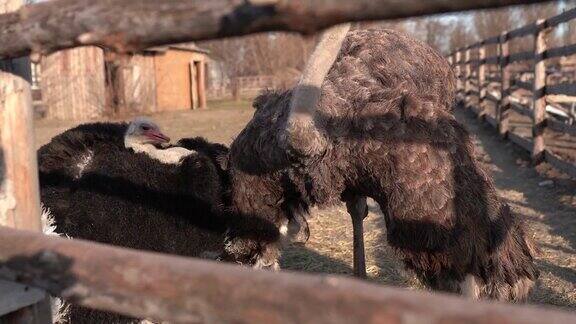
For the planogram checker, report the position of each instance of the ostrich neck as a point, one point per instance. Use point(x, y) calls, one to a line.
point(138, 147)
point(172, 155)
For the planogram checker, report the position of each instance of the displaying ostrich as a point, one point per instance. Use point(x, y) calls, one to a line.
point(97, 187)
point(372, 117)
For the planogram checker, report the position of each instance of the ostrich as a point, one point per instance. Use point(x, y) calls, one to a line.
point(372, 117)
point(96, 188)
point(144, 136)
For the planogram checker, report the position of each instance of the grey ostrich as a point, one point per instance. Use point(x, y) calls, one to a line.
point(372, 117)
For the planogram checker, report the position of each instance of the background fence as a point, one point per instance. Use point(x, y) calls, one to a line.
point(523, 85)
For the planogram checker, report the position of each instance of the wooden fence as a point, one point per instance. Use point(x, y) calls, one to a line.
point(475, 83)
point(172, 288)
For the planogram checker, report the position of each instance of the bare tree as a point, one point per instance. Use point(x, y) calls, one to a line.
point(460, 35)
point(275, 54)
point(488, 23)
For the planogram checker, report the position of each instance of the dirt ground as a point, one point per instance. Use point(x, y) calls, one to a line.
point(550, 209)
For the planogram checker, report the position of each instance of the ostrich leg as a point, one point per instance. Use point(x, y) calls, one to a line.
point(358, 210)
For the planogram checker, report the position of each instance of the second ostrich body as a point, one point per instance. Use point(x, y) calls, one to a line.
point(381, 126)
point(98, 189)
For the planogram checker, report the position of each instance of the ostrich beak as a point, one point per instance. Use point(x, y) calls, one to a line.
point(157, 136)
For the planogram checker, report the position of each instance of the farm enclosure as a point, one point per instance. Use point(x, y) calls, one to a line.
point(549, 210)
point(29, 243)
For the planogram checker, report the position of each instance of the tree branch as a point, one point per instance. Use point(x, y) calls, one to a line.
point(131, 25)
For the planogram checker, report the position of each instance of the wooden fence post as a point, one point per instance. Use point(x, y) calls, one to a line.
point(467, 78)
point(539, 111)
point(504, 102)
point(481, 79)
point(19, 193)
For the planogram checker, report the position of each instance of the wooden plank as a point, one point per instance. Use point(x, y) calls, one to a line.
point(527, 30)
point(17, 141)
point(467, 75)
point(495, 79)
point(560, 164)
point(492, 60)
point(523, 85)
point(491, 120)
point(539, 111)
point(475, 109)
point(521, 56)
point(568, 89)
point(194, 84)
point(502, 116)
point(560, 98)
point(19, 188)
point(458, 71)
point(492, 98)
point(202, 84)
point(184, 290)
point(481, 80)
point(560, 127)
point(520, 108)
point(14, 296)
point(18, 66)
point(520, 141)
point(475, 45)
point(561, 51)
point(492, 40)
point(561, 18)
point(121, 25)
point(74, 90)
point(39, 313)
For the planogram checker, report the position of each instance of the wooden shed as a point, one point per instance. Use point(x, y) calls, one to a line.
point(73, 84)
point(180, 72)
point(86, 83)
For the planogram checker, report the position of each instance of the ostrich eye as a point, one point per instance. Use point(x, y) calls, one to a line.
point(145, 127)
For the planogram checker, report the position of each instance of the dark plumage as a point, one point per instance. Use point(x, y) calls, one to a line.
point(97, 189)
point(384, 129)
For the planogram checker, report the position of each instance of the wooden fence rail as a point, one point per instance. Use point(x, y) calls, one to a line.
point(131, 25)
point(542, 93)
point(184, 290)
point(171, 288)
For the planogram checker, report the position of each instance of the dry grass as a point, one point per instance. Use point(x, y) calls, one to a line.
point(551, 211)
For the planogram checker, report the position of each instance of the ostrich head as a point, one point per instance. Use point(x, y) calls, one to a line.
point(142, 131)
